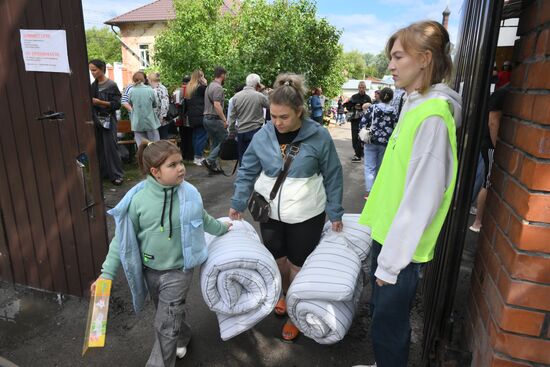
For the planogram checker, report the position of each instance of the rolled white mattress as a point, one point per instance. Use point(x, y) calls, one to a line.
point(240, 280)
point(323, 297)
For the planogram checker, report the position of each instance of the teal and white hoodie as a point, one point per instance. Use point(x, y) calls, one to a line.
point(314, 183)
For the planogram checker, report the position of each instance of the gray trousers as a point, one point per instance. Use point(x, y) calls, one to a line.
point(217, 134)
point(168, 290)
point(151, 135)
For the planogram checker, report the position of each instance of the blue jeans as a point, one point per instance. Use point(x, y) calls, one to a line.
point(217, 134)
point(480, 172)
point(200, 136)
point(243, 140)
point(374, 154)
point(391, 305)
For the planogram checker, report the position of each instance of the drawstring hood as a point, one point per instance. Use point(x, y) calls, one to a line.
point(163, 208)
point(169, 211)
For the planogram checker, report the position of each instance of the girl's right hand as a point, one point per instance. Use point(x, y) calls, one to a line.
point(92, 286)
point(235, 215)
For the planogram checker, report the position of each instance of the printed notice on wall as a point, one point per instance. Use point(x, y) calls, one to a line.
point(45, 50)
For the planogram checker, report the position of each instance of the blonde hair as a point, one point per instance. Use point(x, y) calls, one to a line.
point(154, 76)
point(194, 83)
point(153, 154)
point(289, 90)
point(426, 36)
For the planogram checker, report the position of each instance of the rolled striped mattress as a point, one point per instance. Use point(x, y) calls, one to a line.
point(323, 297)
point(240, 280)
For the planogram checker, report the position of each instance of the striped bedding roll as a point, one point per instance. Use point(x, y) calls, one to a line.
point(240, 281)
point(354, 235)
point(323, 297)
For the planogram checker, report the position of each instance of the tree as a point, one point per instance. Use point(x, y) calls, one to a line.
point(369, 58)
point(380, 64)
point(102, 44)
point(262, 37)
point(354, 64)
point(377, 65)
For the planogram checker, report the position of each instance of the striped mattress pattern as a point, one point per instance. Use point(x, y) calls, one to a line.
point(240, 281)
point(323, 297)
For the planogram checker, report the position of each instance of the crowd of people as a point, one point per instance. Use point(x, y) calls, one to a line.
point(289, 165)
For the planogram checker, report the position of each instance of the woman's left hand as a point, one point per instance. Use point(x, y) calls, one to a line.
point(96, 101)
point(337, 226)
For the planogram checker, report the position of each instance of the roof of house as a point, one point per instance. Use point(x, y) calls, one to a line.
point(159, 10)
point(354, 83)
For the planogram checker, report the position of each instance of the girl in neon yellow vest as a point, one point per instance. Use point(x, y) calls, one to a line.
point(412, 193)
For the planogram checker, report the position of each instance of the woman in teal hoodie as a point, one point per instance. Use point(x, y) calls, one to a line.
point(143, 118)
point(159, 239)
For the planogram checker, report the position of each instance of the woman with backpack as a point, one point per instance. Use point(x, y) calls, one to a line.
point(380, 119)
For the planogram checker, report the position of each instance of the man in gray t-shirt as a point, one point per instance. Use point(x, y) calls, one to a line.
point(215, 122)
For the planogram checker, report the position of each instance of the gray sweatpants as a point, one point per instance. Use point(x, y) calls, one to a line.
point(151, 135)
point(168, 290)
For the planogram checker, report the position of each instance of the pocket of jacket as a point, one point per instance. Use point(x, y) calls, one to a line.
point(196, 223)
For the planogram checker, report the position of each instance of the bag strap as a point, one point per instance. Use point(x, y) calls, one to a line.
point(232, 172)
point(293, 152)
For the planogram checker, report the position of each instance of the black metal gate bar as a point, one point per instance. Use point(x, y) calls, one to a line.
point(474, 64)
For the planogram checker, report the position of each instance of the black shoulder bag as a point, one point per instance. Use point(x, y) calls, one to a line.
point(259, 207)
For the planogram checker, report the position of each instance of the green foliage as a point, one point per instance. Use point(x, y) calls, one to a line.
point(102, 44)
point(357, 65)
point(354, 65)
point(380, 65)
point(262, 37)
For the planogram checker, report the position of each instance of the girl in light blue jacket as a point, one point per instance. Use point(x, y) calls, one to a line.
point(159, 240)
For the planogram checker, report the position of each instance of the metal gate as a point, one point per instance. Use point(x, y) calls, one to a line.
point(52, 224)
point(474, 63)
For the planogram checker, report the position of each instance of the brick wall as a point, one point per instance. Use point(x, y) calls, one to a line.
point(509, 315)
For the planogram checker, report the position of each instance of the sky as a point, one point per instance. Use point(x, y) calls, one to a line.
point(366, 24)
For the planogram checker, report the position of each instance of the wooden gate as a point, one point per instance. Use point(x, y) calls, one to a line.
point(52, 223)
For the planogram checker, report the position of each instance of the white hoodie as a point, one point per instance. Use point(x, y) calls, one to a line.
point(429, 173)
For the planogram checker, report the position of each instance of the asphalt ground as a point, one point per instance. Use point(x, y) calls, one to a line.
point(46, 329)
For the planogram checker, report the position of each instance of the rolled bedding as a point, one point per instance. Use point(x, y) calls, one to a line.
point(240, 280)
point(323, 297)
point(355, 236)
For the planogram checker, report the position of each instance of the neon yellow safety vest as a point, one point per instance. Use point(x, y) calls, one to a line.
point(389, 186)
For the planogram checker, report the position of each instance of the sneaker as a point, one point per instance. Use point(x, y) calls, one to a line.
point(473, 210)
point(197, 161)
point(355, 159)
point(181, 352)
point(475, 229)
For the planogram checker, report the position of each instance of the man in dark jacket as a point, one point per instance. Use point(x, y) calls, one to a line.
point(354, 107)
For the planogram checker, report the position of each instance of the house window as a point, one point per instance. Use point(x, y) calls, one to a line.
point(144, 55)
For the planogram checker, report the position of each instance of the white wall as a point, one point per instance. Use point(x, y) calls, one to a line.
point(507, 35)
